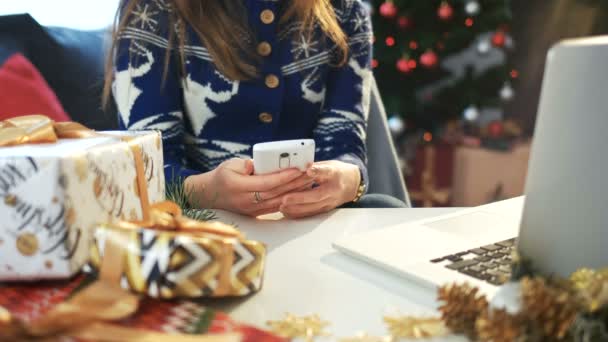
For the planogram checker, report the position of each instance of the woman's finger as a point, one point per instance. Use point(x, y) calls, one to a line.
point(305, 210)
point(321, 172)
point(247, 203)
point(317, 194)
point(304, 181)
point(263, 183)
point(239, 166)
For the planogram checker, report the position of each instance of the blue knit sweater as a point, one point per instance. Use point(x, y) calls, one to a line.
point(206, 118)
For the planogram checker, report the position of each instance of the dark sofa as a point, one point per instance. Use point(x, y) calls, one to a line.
point(71, 61)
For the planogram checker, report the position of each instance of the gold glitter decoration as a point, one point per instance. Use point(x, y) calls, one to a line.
point(307, 327)
point(10, 200)
point(97, 186)
point(81, 167)
point(415, 327)
point(27, 244)
point(552, 307)
point(500, 326)
point(133, 214)
point(462, 304)
point(366, 338)
point(592, 286)
point(70, 216)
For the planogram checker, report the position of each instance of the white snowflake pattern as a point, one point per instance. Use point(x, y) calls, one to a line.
point(305, 46)
point(145, 17)
point(163, 5)
point(360, 22)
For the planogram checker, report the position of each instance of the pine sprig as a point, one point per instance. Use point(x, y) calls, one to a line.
point(176, 191)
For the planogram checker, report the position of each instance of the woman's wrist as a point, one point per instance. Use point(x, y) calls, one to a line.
point(355, 184)
point(196, 185)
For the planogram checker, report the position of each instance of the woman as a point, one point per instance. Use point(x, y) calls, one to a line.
point(218, 76)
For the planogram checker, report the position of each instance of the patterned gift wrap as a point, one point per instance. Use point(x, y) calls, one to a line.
point(53, 195)
point(173, 264)
point(30, 301)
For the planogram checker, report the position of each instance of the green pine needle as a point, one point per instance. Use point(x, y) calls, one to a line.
point(176, 191)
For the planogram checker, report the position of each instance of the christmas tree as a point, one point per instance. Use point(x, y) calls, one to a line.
point(444, 61)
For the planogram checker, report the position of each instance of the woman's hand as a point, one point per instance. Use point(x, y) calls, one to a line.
point(232, 186)
point(338, 183)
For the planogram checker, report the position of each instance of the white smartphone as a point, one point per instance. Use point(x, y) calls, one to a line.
point(274, 156)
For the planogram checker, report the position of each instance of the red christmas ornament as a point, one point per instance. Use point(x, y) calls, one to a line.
point(429, 59)
point(445, 11)
point(499, 38)
point(390, 41)
point(375, 63)
point(388, 9)
point(495, 129)
point(404, 22)
point(403, 66)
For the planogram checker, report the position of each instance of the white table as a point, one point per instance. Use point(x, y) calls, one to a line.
point(305, 275)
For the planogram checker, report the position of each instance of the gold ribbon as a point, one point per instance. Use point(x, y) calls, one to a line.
point(88, 313)
point(167, 216)
point(39, 129)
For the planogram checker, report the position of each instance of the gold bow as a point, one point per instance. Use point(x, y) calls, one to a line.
point(167, 216)
point(39, 129)
point(87, 314)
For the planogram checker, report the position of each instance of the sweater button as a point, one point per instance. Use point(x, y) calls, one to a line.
point(264, 49)
point(265, 117)
point(267, 16)
point(272, 81)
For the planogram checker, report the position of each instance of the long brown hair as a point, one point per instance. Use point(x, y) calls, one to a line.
point(216, 24)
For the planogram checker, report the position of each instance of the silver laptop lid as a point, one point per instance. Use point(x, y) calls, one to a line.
point(565, 219)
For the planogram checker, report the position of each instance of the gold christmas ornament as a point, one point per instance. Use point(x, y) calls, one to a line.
point(552, 308)
point(415, 327)
point(462, 304)
point(306, 327)
point(592, 286)
point(499, 326)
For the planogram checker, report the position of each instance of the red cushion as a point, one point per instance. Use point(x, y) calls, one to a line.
point(24, 91)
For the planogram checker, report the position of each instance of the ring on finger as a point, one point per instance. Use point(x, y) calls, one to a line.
point(257, 198)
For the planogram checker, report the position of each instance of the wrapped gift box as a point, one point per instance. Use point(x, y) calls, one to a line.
point(183, 263)
point(482, 176)
point(53, 195)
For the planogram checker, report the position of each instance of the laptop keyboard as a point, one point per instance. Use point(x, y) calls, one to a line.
point(490, 263)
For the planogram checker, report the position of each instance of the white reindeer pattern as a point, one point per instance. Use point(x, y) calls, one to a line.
point(366, 83)
point(125, 91)
point(196, 96)
point(307, 92)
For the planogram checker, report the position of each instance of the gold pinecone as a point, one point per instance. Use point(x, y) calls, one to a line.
point(551, 308)
point(461, 306)
point(499, 326)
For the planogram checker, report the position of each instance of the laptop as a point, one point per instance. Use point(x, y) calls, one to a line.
point(561, 224)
